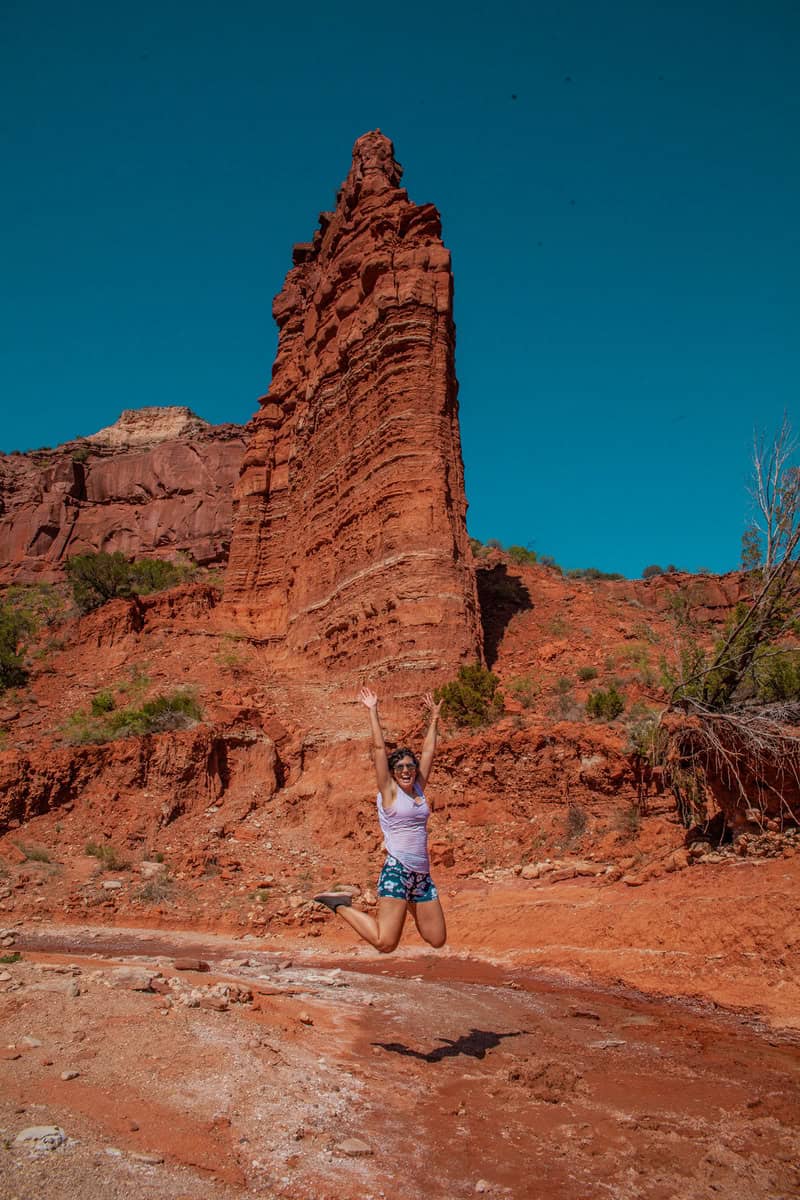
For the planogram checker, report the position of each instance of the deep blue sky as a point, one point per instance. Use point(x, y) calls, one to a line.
point(624, 232)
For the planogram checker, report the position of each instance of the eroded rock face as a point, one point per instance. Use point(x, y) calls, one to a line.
point(158, 482)
point(349, 548)
point(147, 782)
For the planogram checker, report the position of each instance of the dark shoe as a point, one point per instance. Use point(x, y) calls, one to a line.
point(334, 900)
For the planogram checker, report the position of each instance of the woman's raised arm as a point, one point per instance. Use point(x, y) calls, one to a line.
point(380, 758)
point(429, 745)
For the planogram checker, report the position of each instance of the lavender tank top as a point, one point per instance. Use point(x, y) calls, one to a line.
point(405, 830)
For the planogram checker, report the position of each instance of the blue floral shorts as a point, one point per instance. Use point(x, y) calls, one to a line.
point(398, 883)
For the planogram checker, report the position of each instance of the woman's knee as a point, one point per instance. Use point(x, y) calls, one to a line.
point(437, 940)
point(387, 945)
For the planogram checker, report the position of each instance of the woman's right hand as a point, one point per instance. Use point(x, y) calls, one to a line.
point(368, 698)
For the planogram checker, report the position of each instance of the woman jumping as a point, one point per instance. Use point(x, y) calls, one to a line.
point(403, 813)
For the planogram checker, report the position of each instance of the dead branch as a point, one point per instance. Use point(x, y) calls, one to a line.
point(753, 753)
point(773, 494)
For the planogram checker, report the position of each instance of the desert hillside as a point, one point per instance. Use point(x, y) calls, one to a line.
point(187, 615)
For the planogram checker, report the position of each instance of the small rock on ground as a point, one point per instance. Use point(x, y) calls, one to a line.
point(354, 1148)
point(45, 1137)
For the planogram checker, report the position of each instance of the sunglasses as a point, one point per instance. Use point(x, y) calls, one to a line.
point(404, 766)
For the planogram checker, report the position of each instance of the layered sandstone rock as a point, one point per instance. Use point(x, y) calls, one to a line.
point(157, 482)
point(142, 783)
point(149, 425)
point(350, 549)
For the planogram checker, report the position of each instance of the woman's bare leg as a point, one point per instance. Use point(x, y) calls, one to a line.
point(430, 921)
point(383, 933)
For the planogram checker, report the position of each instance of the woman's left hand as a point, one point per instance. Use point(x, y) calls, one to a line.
point(433, 706)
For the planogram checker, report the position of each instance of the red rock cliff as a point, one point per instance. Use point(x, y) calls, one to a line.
point(349, 548)
point(158, 481)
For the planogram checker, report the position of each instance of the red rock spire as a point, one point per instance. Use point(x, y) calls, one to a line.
point(374, 166)
point(349, 549)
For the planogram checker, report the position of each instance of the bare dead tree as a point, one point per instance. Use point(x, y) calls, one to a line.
point(775, 492)
point(758, 625)
point(752, 756)
point(718, 726)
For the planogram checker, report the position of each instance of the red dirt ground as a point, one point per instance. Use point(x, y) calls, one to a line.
point(460, 1076)
point(606, 1020)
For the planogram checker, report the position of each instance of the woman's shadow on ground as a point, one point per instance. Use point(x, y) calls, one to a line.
point(474, 1044)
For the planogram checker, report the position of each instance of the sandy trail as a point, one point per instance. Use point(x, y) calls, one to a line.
point(461, 1077)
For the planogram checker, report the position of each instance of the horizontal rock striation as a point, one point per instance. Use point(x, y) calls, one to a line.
point(158, 482)
point(350, 549)
point(145, 782)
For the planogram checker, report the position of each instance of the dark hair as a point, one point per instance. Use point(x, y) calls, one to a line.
point(402, 752)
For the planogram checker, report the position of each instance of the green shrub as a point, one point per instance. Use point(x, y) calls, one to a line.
point(81, 454)
point(587, 673)
point(521, 556)
point(628, 821)
point(107, 855)
point(566, 708)
point(525, 689)
point(137, 683)
point(214, 577)
point(592, 573)
point(228, 657)
point(605, 705)
point(98, 578)
point(81, 728)
point(38, 603)
point(34, 853)
point(156, 891)
point(13, 957)
point(472, 699)
point(230, 660)
point(103, 702)
point(651, 571)
point(680, 609)
point(150, 575)
point(547, 560)
point(637, 654)
point(645, 633)
point(752, 548)
point(731, 672)
point(777, 676)
point(177, 710)
point(576, 822)
point(15, 627)
point(645, 735)
point(24, 609)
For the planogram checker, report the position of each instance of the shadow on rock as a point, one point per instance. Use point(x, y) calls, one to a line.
point(500, 596)
point(474, 1044)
